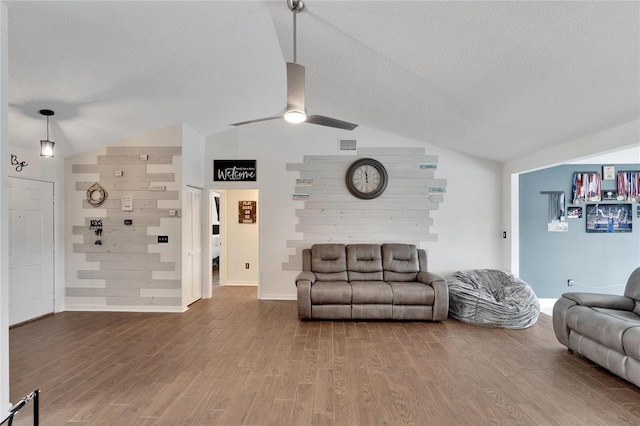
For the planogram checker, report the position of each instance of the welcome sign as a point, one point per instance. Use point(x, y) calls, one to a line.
point(234, 170)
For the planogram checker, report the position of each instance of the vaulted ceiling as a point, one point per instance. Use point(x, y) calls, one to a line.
point(499, 80)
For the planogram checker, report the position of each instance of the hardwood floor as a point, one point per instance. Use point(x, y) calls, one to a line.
point(235, 360)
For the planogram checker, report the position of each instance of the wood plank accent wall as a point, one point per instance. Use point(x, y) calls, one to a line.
point(129, 255)
point(332, 214)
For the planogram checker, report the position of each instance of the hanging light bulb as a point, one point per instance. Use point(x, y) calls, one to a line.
point(46, 146)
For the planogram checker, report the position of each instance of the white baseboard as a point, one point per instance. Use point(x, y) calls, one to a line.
point(240, 283)
point(278, 297)
point(546, 306)
point(95, 308)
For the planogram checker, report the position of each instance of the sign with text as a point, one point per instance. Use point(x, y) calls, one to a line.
point(234, 170)
point(246, 212)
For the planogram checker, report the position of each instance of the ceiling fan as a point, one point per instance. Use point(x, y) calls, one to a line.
point(295, 111)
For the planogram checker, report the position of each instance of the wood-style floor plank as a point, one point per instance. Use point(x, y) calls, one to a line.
point(236, 360)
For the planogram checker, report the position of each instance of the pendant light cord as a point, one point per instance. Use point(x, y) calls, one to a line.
point(47, 127)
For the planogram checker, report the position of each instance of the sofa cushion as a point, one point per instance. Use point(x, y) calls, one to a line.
point(599, 325)
point(329, 262)
point(412, 293)
point(400, 262)
point(620, 314)
point(364, 262)
point(331, 293)
point(371, 292)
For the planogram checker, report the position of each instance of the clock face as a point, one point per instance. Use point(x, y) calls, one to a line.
point(366, 178)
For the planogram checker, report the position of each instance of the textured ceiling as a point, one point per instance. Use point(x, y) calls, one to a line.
point(498, 80)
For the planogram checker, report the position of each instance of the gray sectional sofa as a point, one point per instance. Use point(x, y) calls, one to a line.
point(369, 281)
point(604, 328)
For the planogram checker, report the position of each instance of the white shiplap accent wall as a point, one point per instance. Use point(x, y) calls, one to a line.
point(121, 274)
point(332, 214)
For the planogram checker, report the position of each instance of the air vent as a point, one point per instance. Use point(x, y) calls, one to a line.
point(348, 145)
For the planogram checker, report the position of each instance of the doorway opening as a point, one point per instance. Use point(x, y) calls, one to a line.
point(234, 239)
point(215, 238)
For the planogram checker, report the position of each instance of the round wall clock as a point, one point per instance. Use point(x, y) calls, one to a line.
point(366, 178)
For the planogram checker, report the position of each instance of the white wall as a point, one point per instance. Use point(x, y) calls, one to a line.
point(241, 240)
point(192, 174)
point(468, 223)
point(4, 214)
point(192, 152)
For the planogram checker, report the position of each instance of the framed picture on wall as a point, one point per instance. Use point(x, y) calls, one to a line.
point(609, 218)
point(574, 213)
point(608, 172)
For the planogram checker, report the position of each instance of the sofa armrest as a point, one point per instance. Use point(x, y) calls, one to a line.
point(428, 277)
point(306, 276)
point(441, 297)
point(304, 298)
point(441, 300)
point(607, 301)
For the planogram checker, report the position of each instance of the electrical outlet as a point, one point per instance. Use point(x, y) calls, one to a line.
point(570, 282)
point(246, 266)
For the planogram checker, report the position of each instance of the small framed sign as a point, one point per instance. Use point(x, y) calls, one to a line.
point(234, 170)
point(608, 172)
point(246, 212)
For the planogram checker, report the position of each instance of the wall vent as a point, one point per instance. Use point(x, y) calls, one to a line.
point(348, 145)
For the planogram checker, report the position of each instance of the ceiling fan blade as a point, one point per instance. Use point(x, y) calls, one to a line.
point(257, 120)
point(330, 122)
point(295, 87)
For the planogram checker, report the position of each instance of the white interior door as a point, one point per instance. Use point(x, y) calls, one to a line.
point(193, 219)
point(31, 290)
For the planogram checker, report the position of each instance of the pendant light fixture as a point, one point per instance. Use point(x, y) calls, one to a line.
point(46, 146)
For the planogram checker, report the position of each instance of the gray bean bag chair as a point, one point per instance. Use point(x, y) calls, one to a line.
point(492, 298)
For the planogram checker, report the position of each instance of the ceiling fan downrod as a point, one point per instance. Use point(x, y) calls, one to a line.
point(295, 6)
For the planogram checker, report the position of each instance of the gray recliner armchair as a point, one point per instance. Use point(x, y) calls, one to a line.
point(603, 327)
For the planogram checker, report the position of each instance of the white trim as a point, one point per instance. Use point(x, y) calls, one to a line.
point(546, 306)
point(241, 283)
point(94, 308)
point(278, 297)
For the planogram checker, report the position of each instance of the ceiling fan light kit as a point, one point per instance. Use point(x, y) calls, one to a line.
point(295, 111)
point(295, 117)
